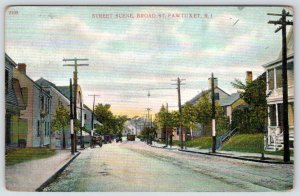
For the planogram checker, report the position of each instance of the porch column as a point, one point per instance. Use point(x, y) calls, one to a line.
point(277, 119)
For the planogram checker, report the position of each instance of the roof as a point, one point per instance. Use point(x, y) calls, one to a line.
point(86, 107)
point(230, 99)
point(197, 97)
point(290, 50)
point(65, 90)
point(10, 60)
point(291, 56)
point(289, 43)
point(14, 64)
point(46, 83)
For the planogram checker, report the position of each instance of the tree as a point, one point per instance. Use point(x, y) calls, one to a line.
point(119, 124)
point(189, 116)
point(163, 120)
point(148, 134)
point(60, 121)
point(254, 117)
point(111, 124)
point(203, 115)
point(103, 113)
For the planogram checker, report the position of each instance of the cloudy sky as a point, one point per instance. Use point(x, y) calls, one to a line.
point(129, 56)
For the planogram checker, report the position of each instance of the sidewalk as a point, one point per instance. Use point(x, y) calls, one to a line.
point(257, 157)
point(28, 176)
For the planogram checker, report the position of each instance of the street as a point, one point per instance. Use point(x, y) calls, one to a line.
point(134, 166)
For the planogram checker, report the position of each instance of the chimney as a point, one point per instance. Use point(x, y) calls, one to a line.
point(249, 76)
point(215, 82)
point(22, 68)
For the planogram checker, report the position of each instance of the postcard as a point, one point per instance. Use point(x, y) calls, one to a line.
point(149, 98)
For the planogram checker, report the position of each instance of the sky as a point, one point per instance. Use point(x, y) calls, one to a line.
point(129, 55)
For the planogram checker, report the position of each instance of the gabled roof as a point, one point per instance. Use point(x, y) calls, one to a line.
point(65, 90)
point(230, 99)
point(86, 107)
point(290, 44)
point(197, 97)
point(290, 50)
point(46, 83)
point(15, 65)
point(10, 61)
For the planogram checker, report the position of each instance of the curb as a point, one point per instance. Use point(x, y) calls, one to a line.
point(239, 158)
point(54, 176)
point(164, 148)
point(230, 157)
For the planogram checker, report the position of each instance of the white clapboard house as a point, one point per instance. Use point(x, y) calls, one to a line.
point(274, 136)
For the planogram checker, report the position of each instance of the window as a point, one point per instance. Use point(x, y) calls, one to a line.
point(48, 128)
point(42, 103)
point(45, 128)
point(6, 81)
point(48, 106)
point(38, 128)
point(279, 77)
point(272, 115)
point(84, 116)
point(271, 79)
point(217, 96)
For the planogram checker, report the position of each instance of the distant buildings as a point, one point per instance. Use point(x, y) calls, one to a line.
point(134, 126)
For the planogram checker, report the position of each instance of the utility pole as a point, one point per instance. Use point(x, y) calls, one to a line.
point(213, 113)
point(71, 119)
point(75, 87)
point(283, 22)
point(166, 127)
point(148, 116)
point(179, 83)
point(92, 131)
point(81, 127)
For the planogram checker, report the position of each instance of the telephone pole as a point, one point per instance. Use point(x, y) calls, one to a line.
point(71, 119)
point(283, 22)
point(75, 65)
point(179, 83)
point(81, 127)
point(166, 127)
point(213, 113)
point(92, 131)
point(148, 116)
